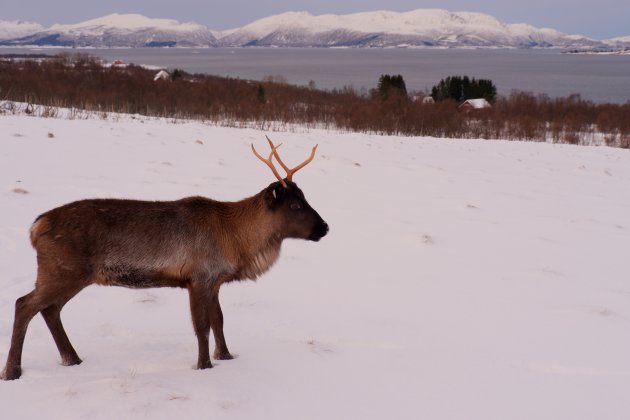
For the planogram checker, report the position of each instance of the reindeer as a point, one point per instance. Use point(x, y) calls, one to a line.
point(194, 243)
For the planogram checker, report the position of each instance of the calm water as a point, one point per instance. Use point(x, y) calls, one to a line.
point(599, 78)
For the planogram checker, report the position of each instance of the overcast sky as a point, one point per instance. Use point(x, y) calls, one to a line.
point(598, 19)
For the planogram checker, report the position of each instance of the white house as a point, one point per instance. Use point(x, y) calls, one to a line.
point(162, 75)
point(480, 103)
point(423, 99)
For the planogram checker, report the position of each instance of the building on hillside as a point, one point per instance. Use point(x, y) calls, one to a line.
point(423, 99)
point(162, 75)
point(479, 103)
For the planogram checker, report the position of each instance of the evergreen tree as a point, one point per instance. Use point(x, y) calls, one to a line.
point(177, 74)
point(460, 88)
point(261, 95)
point(388, 85)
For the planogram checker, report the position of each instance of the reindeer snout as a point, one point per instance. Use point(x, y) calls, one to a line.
point(321, 229)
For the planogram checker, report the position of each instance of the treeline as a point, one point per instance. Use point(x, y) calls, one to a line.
point(460, 88)
point(82, 82)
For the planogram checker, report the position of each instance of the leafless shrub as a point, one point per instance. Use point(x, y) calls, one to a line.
point(83, 85)
point(49, 112)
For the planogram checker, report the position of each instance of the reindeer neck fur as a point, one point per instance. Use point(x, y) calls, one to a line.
point(256, 238)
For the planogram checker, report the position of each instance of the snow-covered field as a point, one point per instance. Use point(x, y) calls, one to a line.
point(460, 280)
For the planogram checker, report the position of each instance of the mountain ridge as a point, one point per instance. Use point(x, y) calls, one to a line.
point(417, 28)
point(17, 28)
point(120, 30)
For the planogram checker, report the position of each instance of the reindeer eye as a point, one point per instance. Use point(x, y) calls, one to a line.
point(296, 205)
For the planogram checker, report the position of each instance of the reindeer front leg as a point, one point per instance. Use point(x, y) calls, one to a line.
point(216, 321)
point(199, 309)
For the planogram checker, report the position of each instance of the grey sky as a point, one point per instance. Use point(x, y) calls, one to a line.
point(598, 19)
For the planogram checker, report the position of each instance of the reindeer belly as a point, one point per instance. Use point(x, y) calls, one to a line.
point(175, 269)
point(138, 277)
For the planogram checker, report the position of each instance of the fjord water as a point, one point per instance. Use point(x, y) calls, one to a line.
point(600, 78)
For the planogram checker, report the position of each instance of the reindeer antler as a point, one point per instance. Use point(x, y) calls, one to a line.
point(289, 172)
point(269, 163)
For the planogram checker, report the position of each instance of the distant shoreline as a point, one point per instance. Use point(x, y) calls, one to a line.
point(598, 52)
point(24, 56)
point(561, 50)
point(602, 78)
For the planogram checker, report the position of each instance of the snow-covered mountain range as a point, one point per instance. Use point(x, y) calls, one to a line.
point(417, 28)
point(120, 30)
point(619, 42)
point(422, 27)
point(17, 28)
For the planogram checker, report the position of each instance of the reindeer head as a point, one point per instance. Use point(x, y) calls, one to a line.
point(286, 200)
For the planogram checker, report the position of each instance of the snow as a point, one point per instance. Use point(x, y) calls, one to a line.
point(161, 75)
point(122, 30)
point(420, 22)
point(17, 28)
point(414, 28)
point(412, 23)
point(478, 103)
point(620, 42)
point(125, 23)
point(621, 39)
point(461, 279)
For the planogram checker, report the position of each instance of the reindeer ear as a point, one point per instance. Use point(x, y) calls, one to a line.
point(274, 194)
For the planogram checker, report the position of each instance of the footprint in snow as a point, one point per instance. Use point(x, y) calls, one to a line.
point(227, 405)
point(146, 298)
point(576, 370)
point(551, 272)
point(318, 347)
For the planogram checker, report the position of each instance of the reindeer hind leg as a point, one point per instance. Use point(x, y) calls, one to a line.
point(52, 316)
point(26, 308)
point(49, 297)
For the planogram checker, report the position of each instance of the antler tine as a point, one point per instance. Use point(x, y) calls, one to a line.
point(286, 169)
point(301, 165)
point(290, 172)
point(269, 162)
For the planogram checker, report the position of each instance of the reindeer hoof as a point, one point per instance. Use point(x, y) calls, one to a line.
point(204, 365)
point(71, 361)
point(222, 355)
point(10, 374)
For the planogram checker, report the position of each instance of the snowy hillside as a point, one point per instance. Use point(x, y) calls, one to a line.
point(15, 29)
point(620, 42)
point(122, 30)
point(419, 28)
point(625, 39)
point(422, 27)
point(461, 279)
